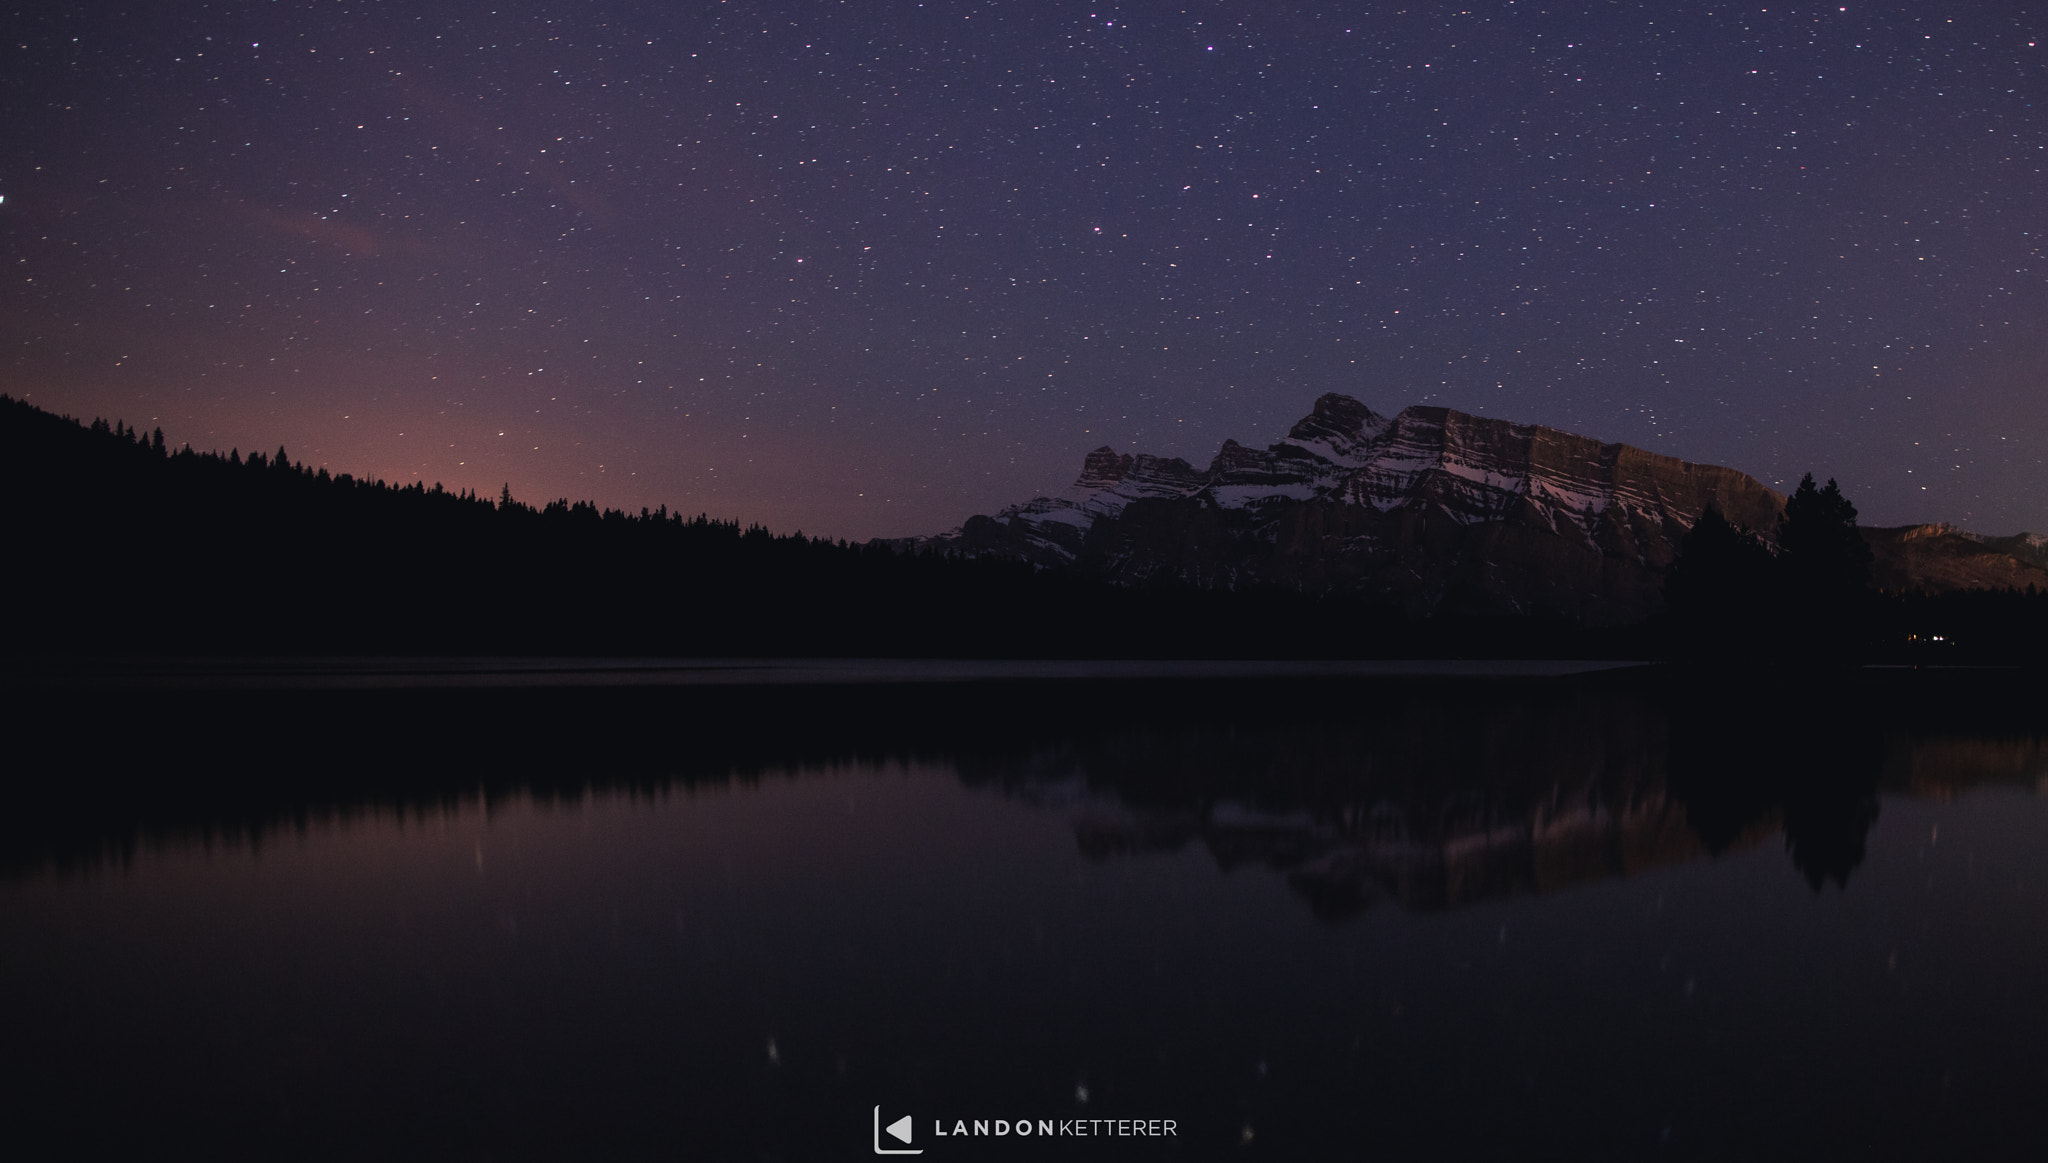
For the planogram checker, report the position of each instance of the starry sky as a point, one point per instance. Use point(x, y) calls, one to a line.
point(863, 269)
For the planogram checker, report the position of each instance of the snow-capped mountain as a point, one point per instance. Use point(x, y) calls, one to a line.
point(1430, 509)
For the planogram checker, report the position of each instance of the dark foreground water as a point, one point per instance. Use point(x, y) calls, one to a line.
point(1617, 916)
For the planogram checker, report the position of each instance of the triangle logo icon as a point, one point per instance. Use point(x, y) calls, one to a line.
point(900, 1128)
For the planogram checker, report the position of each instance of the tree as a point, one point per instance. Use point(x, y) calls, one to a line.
point(1730, 596)
point(1823, 553)
point(1825, 566)
point(1721, 591)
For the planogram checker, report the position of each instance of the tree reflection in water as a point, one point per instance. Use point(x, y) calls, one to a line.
point(1434, 793)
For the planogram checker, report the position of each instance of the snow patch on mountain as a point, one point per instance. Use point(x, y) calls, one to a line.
point(1471, 468)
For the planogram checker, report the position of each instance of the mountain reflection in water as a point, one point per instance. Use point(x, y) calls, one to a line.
point(1632, 915)
point(1440, 803)
point(1436, 792)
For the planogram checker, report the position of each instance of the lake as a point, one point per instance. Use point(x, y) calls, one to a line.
point(1388, 911)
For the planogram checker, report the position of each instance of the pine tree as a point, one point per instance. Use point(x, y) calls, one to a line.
point(1825, 566)
point(1721, 591)
point(1823, 553)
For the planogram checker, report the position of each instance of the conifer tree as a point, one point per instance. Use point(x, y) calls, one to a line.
point(1721, 590)
point(1825, 568)
point(1823, 553)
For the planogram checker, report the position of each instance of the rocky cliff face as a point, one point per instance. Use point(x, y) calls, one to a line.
point(1430, 510)
point(1943, 557)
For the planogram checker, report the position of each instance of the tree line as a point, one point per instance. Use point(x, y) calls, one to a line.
point(121, 545)
point(125, 546)
point(1804, 594)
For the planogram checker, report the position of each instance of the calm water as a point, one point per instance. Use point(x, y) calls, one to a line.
point(1363, 918)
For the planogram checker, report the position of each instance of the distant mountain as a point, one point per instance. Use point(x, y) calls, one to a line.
point(1941, 558)
point(126, 546)
point(1431, 510)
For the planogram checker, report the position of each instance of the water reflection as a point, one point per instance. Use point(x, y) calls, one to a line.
point(538, 924)
point(1430, 801)
point(1433, 794)
point(1437, 804)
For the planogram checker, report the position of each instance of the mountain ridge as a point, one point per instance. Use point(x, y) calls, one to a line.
point(1430, 510)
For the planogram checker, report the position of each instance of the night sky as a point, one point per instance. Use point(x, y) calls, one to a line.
point(864, 269)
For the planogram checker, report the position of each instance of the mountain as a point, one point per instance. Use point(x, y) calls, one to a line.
point(1941, 558)
point(1430, 510)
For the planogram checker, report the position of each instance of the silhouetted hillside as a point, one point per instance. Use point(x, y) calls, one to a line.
point(121, 545)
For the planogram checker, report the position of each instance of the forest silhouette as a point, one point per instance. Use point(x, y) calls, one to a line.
point(128, 547)
point(1733, 596)
point(123, 546)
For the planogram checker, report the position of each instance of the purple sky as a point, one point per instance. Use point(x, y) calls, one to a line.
point(866, 268)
